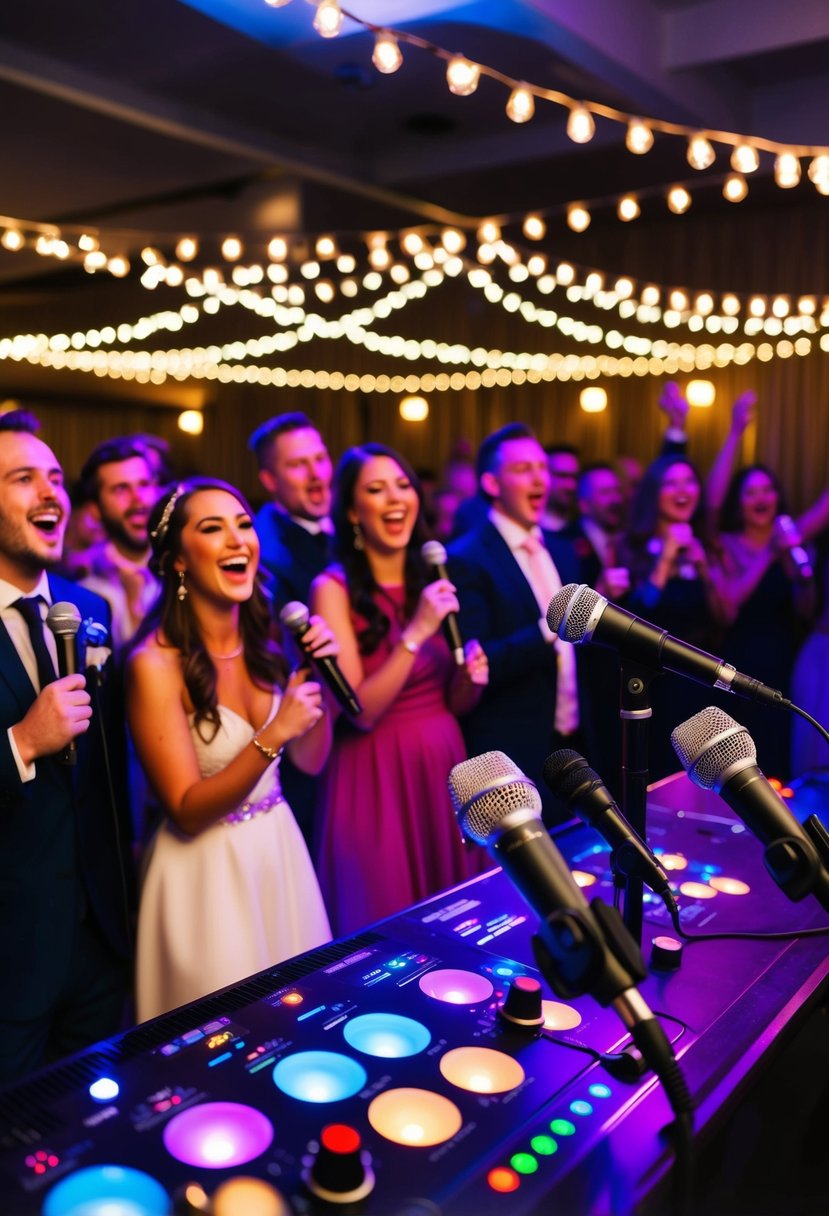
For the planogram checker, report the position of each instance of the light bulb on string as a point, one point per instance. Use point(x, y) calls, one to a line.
point(231, 248)
point(623, 287)
point(328, 19)
point(807, 306)
point(819, 168)
point(730, 305)
point(786, 170)
point(701, 153)
point(580, 125)
point(346, 263)
point(628, 208)
point(186, 248)
point(462, 76)
point(411, 242)
point(578, 217)
point(534, 228)
point(639, 137)
point(277, 249)
point(520, 104)
point(12, 239)
point(650, 295)
point(325, 291)
point(735, 188)
point(757, 306)
point(387, 56)
point(565, 274)
point(489, 232)
point(781, 306)
point(536, 264)
point(379, 257)
point(118, 266)
point(679, 200)
point(453, 240)
point(744, 158)
point(678, 300)
point(704, 304)
point(325, 247)
point(87, 243)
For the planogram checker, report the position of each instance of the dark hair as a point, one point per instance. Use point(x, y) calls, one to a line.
point(263, 439)
point(598, 466)
point(731, 512)
point(173, 622)
point(111, 451)
point(645, 510)
point(19, 422)
point(490, 449)
point(360, 581)
point(568, 449)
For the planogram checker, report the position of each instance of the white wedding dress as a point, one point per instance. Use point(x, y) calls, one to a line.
point(239, 897)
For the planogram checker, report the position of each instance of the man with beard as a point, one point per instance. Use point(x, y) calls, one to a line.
point(294, 528)
point(64, 876)
point(118, 480)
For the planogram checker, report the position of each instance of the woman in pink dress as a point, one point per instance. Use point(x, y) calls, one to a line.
point(388, 834)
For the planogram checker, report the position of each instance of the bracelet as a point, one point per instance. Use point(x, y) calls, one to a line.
point(409, 645)
point(272, 753)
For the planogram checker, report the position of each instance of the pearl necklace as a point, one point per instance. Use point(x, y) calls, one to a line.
point(234, 654)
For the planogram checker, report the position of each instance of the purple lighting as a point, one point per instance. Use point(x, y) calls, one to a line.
point(218, 1134)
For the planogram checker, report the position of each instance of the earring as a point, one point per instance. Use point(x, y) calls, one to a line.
point(359, 543)
point(181, 591)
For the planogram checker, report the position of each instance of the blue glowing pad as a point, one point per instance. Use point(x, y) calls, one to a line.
point(107, 1190)
point(387, 1035)
point(319, 1076)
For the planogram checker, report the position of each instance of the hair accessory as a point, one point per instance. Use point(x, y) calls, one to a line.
point(359, 543)
point(181, 592)
point(158, 534)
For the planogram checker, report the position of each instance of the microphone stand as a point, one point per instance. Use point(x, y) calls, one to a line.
point(635, 712)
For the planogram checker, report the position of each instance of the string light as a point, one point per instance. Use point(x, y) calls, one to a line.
point(744, 158)
point(628, 208)
point(12, 239)
point(520, 104)
point(580, 125)
point(325, 247)
point(187, 247)
point(786, 170)
point(639, 137)
point(231, 248)
point(701, 154)
point(386, 56)
point(534, 228)
point(462, 76)
point(489, 232)
point(735, 188)
point(328, 19)
point(578, 217)
point(277, 249)
point(593, 400)
point(679, 200)
point(453, 240)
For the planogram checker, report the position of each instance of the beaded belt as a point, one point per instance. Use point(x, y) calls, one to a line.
point(249, 810)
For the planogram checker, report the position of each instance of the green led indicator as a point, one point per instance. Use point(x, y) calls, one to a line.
point(562, 1127)
point(524, 1163)
point(545, 1146)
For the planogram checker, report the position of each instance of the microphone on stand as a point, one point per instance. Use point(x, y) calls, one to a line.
point(719, 754)
point(571, 778)
point(434, 555)
point(295, 617)
point(578, 614)
point(64, 620)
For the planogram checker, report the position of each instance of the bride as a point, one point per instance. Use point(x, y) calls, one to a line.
point(228, 885)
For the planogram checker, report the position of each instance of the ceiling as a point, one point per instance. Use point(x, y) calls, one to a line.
point(229, 116)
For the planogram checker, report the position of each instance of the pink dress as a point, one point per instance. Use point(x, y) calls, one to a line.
point(388, 835)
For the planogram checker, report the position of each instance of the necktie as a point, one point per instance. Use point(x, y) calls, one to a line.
point(29, 609)
point(545, 583)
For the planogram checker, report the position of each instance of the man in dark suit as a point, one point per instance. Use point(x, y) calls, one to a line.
point(506, 571)
point(295, 536)
point(64, 880)
point(294, 529)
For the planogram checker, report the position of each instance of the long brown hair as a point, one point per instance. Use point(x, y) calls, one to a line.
point(173, 623)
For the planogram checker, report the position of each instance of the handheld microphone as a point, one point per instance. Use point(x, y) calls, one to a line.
point(294, 616)
point(64, 620)
point(578, 614)
point(787, 530)
point(719, 754)
point(571, 778)
point(434, 554)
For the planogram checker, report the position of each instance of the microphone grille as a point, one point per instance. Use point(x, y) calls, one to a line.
point(576, 602)
point(64, 618)
point(710, 744)
point(433, 553)
point(565, 771)
point(488, 788)
point(294, 615)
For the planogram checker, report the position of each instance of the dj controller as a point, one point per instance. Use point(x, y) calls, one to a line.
point(424, 1067)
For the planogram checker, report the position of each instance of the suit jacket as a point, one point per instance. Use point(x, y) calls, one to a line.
point(497, 606)
point(292, 556)
point(65, 848)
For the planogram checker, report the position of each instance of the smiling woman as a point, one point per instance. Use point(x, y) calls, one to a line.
point(228, 886)
point(397, 842)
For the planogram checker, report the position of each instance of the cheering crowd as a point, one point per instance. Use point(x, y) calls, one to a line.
point(198, 806)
